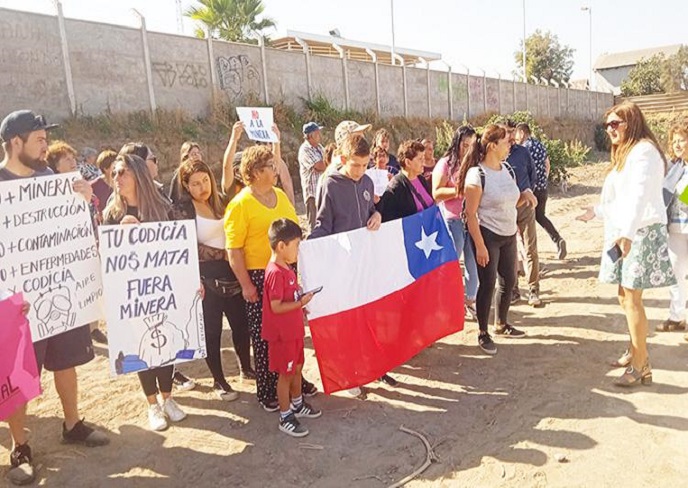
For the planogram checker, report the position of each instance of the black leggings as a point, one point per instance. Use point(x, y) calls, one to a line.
point(234, 308)
point(542, 219)
point(156, 380)
point(502, 252)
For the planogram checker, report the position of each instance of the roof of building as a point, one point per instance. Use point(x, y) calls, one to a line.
point(631, 58)
point(358, 50)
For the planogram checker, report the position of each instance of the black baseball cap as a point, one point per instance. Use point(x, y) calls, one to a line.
point(21, 122)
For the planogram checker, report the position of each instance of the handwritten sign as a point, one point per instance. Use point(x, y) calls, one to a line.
point(258, 123)
point(153, 309)
point(380, 179)
point(19, 380)
point(48, 252)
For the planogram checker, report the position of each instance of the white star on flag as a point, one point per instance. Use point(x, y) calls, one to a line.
point(428, 243)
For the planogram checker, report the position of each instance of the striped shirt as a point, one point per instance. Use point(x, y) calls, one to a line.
point(309, 156)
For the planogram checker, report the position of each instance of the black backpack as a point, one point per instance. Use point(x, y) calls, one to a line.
point(481, 172)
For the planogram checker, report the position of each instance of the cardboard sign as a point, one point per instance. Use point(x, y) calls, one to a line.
point(153, 308)
point(258, 123)
point(19, 380)
point(48, 252)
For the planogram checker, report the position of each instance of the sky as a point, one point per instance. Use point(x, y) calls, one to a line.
point(477, 34)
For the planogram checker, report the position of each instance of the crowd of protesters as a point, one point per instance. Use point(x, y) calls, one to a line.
point(490, 186)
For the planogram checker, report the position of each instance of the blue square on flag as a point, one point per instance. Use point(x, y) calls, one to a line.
point(427, 241)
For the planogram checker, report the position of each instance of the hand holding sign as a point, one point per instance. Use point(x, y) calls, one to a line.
point(258, 123)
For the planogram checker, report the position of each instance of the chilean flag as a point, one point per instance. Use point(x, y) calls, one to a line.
point(387, 295)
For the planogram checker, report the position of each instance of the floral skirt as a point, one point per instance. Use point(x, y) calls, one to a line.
point(647, 264)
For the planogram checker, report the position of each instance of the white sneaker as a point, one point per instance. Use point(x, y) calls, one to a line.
point(172, 410)
point(156, 417)
point(353, 392)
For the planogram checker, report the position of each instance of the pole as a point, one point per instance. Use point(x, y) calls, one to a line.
point(523, 54)
point(392, 18)
point(65, 58)
point(592, 75)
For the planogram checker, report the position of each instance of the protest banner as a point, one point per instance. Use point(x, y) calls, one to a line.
point(258, 123)
point(153, 309)
point(48, 252)
point(19, 380)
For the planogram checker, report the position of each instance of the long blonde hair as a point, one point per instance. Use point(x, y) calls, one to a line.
point(152, 206)
point(636, 130)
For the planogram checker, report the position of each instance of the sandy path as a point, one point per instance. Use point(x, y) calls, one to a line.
point(497, 421)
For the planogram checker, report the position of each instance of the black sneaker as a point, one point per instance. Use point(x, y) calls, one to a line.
point(470, 312)
point(291, 426)
point(515, 296)
point(248, 374)
point(308, 389)
point(561, 249)
point(307, 410)
point(182, 382)
point(388, 380)
point(22, 471)
point(225, 392)
point(99, 336)
point(508, 330)
point(84, 435)
point(270, 405)
point(487, 344)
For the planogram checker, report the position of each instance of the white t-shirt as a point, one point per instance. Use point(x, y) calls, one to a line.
point(497, 208)
point(211, 232)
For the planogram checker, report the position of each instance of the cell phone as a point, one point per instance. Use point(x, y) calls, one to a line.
point(615, 253)
point(304, 293)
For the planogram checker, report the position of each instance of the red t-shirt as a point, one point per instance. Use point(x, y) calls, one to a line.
point(281, 284)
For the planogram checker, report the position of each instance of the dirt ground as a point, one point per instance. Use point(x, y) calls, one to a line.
point(499, 421)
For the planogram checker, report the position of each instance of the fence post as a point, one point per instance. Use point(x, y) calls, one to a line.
point(345, 74)
point(264, 67)
point(373, 56)
point(513, 90)
point(499, 93)
point(450, 91)
point(147, 61)
point(403, 81)
point(427, 67)
point(484, 91)
point(65, 58)
point(307, 55)
point(211, 62)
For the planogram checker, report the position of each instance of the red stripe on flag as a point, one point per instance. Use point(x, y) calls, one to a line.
point(357, 346)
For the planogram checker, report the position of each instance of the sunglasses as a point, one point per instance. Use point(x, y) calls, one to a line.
point(152, 158)
point(614, 124)
point(118, 172)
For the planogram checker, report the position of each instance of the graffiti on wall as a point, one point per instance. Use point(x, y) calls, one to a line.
point(238, 77)
point(181, 74)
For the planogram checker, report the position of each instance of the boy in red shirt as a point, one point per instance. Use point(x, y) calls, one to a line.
point(283, 327)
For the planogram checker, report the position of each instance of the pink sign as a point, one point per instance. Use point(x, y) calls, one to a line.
point(19, 380)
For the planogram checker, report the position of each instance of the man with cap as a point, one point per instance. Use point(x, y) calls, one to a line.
point(25, 143)
point(311, 166)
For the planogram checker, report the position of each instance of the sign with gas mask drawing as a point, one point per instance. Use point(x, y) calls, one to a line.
point(153, 303)
point(48, 253)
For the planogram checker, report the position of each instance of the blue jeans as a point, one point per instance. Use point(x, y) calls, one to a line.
point(463, 244)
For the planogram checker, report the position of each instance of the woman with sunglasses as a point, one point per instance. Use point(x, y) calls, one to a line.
point(136, 199)
point(635, 254)
point(247, 220)
point(445, 191)
point(200, 201)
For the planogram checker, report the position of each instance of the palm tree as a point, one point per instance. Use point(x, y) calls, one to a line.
point(231, 20)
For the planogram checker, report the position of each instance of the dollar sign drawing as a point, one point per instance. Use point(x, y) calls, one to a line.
point(158, 339)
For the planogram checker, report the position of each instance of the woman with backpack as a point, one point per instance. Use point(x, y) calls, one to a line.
point(488, 185)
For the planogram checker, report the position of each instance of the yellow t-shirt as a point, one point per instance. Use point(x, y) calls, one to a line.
point(247, 222)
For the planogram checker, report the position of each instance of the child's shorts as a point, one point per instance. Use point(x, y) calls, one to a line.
point(285, 356)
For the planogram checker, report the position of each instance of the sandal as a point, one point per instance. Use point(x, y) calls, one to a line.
point(671, 325)
point(631, 377)
point(624, 360)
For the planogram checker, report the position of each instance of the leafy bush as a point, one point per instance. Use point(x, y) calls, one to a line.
point(576, 153)
point(444, 133)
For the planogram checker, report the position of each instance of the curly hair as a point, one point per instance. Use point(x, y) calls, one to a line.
point(409, 150)
point(58, 150)
point(252, 160)
point(680, 128)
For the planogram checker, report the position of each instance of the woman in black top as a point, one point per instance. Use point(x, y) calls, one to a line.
point(408, 192)
point(199, 200)
point(135, 200)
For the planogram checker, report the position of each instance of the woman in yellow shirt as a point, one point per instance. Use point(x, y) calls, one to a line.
point(247, 219)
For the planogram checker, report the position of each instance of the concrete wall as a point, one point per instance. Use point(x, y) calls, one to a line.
point(109, 73)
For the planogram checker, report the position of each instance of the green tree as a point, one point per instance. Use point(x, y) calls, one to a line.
point(645, 78)
point(231, 20)
point(675, 71)
point(545, 57)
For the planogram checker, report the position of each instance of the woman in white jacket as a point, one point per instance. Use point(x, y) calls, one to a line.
point(675, 184)
point(635, 254)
